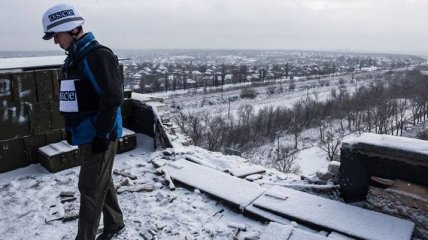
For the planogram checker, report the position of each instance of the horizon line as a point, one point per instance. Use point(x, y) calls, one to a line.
point(346, 51)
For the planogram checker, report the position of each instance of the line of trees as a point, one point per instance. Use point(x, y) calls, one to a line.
point(382, 107)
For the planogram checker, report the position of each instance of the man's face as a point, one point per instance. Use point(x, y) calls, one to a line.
point(63, 39)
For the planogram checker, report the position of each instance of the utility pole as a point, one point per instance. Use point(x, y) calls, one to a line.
point(277, 150)
point(228, 111)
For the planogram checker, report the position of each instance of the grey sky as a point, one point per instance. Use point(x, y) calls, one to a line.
point(353, 25)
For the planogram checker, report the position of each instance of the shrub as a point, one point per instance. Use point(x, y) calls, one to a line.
point(271, 90)
point(422, 135)
point(248, 93)
point(292, 86)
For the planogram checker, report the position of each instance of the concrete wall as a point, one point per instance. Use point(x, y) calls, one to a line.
point(382, 156)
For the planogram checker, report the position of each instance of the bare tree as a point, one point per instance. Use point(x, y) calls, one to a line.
point(192, 126)
point(216, 131)
point(286, 160)
point(416, 109)
point(330, 140)
point(401, 114)
point(298, 121)
point(245, 114)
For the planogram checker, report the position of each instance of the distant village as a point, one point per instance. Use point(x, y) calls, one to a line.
point(156, 71)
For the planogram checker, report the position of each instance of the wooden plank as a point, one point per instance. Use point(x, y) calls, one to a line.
point(139, 188)
point(233, 190)
point(410, 193)
point(401, 204)
point(168, 179)
point(400, 197)
point(411, 188)
point(125, 174)
point(335, 216)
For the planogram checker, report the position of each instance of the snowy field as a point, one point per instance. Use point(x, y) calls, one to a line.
point(310, 158)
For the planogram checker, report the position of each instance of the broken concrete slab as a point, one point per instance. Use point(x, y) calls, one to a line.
point(276, 231)
point(299, 234)
point(338, 236)
point(234, 190)
point(242, 172)
point(197, 160)
point(253, 177)
point(335, 216)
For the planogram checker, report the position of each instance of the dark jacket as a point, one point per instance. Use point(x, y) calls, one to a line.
point(99, 91)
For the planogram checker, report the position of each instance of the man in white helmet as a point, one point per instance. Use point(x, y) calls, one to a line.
point(90, 98)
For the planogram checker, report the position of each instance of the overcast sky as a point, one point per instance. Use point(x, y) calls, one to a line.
point(395, 26)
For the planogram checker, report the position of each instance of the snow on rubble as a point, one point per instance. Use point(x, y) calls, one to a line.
point(31, 205)
point(40, 205)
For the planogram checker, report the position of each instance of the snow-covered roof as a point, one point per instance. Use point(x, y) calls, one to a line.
point(137, 75)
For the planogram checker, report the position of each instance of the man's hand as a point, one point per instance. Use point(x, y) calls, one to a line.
point(99, 144)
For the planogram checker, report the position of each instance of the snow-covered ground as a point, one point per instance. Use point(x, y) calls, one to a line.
point(31, 205)
point(30, 197)
point(30, 200)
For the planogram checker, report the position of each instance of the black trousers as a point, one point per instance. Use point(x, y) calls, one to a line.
point(97, 192)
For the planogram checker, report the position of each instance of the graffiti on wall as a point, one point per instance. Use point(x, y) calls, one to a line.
point(14, 110)
point(5, 87)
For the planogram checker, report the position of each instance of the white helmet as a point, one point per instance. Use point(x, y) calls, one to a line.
point(60, 18)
